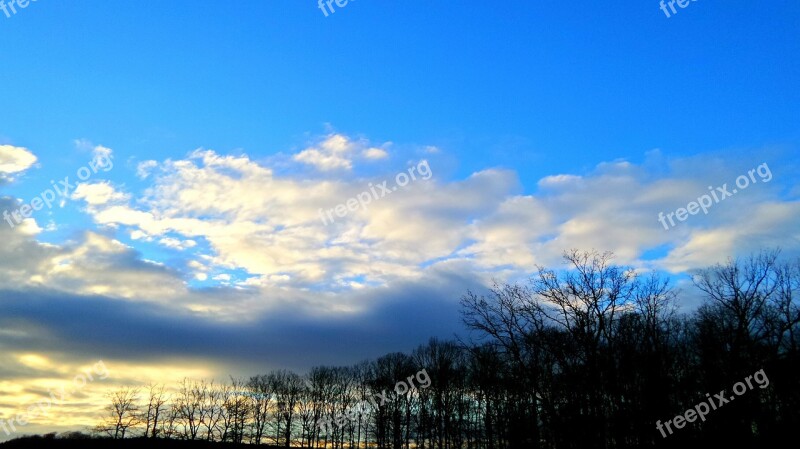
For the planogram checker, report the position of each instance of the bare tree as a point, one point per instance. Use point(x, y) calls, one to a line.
point(506, 321)
point(212, 408)
point(262, 395)
point(122, 413)
point(170, 422)
point(586, 298)
point(190, 403)
point(288, 387)
point(156, 406)
point(656, 308)
point(235, 409)
point(751, 302)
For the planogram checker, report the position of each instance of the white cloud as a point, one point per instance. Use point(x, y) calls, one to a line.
point(375, 153)
point(143, 169)
point(101, 152)
point(94, 264)
point(269, 225)
point(101, 156)
point(99, 193)
point(557, 180)
point(14, 160)
point(763, 226)
point(173, 243)
point(332, 153)
point(266, 223)
point(337, 152)
point(139, 235)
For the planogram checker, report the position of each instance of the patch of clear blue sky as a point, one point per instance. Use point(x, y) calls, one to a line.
point(540, 87)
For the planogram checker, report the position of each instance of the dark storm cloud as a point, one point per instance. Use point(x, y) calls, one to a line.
point(95, 327)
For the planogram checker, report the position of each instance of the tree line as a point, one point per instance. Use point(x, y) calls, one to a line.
point(591, 356)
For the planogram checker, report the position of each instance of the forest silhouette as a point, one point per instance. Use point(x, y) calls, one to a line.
point(590, 355)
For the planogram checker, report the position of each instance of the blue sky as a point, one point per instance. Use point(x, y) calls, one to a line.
point(591, 81)
point(545, 125)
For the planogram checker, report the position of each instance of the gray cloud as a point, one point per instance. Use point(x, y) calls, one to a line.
point(97, 327)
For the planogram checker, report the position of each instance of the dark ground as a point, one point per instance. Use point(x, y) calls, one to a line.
point(58, 443)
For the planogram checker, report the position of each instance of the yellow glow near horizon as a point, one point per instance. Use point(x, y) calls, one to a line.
point(59, 396)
